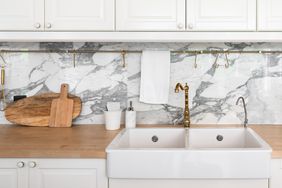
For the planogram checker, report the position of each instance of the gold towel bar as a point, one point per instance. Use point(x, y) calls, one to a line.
point(140, 51)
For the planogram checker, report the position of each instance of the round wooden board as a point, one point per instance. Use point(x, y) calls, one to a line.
point(35, 110)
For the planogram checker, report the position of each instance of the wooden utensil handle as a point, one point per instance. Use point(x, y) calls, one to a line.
point(64, 91)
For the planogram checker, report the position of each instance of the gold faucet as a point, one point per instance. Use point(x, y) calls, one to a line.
point(186, 120)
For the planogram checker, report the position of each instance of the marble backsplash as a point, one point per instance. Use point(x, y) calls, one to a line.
point(100, 77)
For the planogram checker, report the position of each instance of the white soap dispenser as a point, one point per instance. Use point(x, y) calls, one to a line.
point(130, 117)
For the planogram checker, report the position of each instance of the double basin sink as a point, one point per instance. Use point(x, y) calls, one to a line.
point(195, 153)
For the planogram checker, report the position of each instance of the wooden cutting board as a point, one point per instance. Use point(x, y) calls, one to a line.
point(61, 109)
point(35, 110)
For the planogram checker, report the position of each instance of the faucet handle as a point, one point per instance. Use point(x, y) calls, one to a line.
point(178, 87)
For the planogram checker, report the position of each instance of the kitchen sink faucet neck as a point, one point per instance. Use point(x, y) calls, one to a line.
point(186, 120)
point(245, 110)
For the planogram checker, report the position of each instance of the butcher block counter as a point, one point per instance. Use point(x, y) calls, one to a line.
point(86, 141)
point(272, 134)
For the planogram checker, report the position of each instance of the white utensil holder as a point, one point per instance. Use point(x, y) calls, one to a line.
point(112, 120)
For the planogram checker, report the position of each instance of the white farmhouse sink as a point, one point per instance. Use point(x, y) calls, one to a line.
point(178, 153)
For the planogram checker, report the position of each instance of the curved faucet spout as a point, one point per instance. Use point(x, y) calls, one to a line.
point(245, 110)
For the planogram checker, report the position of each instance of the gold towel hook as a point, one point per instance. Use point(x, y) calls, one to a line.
point(3, 97)
point(123, 53)
point(216, 65)
point(3, 59)
point(3, 76)
point(195, 63)
point(74, 59)
point(3, 70)
point(227, 64)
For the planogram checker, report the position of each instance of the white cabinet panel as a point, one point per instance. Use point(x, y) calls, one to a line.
point(221, 15)
point(76, 15)
point(68, 178)
point(188, 183)
point(276, 171)
point(11, 175)
point(25, 15)
point(269, 15)
point(150, 15)
point(8, 178)
point(68, 173)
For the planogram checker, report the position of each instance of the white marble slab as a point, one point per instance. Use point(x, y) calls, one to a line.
point(100, 77)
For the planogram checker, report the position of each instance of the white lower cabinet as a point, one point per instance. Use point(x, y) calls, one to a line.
point(91, 173)
point(276, 174)
point(13, 173)
point(53, 173)
point(200, 183)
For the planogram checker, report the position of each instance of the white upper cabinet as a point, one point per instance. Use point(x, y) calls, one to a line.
point(79, 15)
point(269, 15)
point(21, 15)
point(221, 15)
point(150, 15)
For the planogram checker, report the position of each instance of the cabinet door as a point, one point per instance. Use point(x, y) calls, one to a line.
point(68, 173)
point(221, 15)
point(269, 15)
point(150, 15)
point(276, 174)
point(76, 15)
point(26, 15)
point(12, 176)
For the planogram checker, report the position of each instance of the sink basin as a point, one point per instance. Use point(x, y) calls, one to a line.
point(178, 153)
point(224, 139)
point(143, 138)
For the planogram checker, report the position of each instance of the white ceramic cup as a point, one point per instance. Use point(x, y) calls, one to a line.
point(112, 120)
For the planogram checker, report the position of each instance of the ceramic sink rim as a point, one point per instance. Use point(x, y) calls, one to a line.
point(263, 146)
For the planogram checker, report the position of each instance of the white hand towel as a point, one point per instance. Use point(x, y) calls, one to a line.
point(155, 77)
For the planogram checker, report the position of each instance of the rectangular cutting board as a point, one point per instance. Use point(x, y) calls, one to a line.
point(61, 109)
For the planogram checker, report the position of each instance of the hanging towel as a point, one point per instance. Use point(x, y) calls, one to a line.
point(155, 77)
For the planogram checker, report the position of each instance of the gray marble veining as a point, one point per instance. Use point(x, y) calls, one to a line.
point(100, 77)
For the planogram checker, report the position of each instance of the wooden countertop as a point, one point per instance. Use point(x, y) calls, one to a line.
point(83, 141)
point(272, 134)
point(86, 141)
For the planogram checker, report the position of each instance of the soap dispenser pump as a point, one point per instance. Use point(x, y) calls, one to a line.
point(130, 117)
